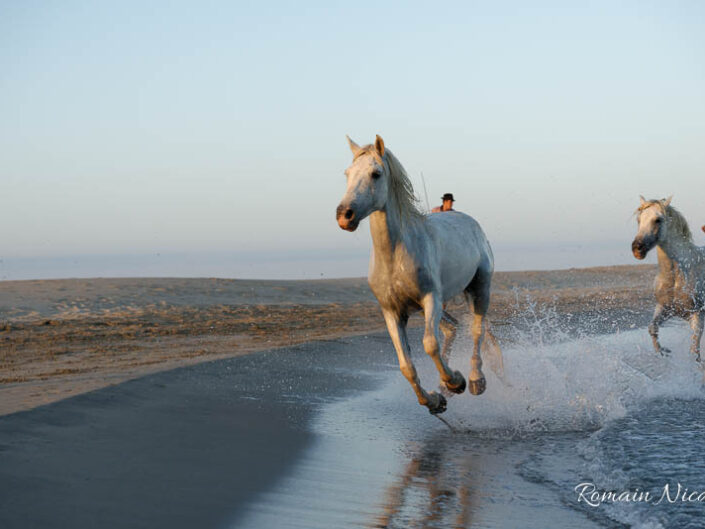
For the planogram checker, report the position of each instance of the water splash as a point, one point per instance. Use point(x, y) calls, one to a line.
point(555, 384)
point(523, 445)
point(556, 379)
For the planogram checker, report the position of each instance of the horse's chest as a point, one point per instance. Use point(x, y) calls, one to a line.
point(398, 292)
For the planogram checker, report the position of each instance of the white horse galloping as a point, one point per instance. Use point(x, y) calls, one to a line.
point(418, 263)
point(680, 284)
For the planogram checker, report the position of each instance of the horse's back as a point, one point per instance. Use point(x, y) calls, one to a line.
point(455, 230)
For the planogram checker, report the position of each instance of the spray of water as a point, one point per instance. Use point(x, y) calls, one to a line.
point(554, 379)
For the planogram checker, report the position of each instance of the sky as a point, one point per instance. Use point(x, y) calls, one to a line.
point(213, 133)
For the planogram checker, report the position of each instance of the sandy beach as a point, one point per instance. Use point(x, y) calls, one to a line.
point(64, 337)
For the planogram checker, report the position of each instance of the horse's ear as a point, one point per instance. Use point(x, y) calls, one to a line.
point(354, 147)
point(379, 145)
point(667, 201)
point(643, 200)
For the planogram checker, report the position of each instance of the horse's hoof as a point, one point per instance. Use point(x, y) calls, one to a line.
point(458, 387)
point(477, 387)
point(664, 351)
point(440, 404)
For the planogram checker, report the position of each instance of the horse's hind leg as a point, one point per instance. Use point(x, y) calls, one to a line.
point(433, 312)
point(396, 325)
point(449, 328)
point(479, 291)
point(661, 314)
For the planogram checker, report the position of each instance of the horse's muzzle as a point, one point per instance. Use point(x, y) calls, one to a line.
point(639, 249)
point(346, 218)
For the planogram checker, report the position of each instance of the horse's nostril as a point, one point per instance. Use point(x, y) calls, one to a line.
point(349, 214)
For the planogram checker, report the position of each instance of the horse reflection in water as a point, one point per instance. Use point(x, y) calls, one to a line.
point(426, 496)
point(419, 262)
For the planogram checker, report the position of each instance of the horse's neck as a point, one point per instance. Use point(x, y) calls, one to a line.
point(385, 229)
point(676, 252)
point(666, 265)
point(387, 235)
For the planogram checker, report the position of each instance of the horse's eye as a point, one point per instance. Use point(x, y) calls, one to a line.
point(658, 220)
point(376, 174)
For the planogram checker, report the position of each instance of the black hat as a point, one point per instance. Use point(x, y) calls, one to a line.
point(448, 196)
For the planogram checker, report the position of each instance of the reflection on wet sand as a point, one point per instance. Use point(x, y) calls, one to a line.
point(481, 479)
point(431, 492)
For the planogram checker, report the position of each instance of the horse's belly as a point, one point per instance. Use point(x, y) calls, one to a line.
point(681, 298)
point(463, 249)
point(684, 303)
point(457, 276)
point(459, 267)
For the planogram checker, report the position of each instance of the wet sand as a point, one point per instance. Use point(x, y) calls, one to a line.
point(189, 447)
point(201, 445)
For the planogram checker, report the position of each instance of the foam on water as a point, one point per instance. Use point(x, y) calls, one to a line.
point(657, 443)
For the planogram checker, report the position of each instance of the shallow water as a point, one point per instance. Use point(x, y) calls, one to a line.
point(602, 410)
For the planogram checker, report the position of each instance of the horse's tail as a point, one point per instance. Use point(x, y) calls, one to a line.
point(492, 351)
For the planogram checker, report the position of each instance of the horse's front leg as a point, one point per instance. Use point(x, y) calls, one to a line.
point(433, 311)
point(396, 325)
point(696, 323)
point(660, 315)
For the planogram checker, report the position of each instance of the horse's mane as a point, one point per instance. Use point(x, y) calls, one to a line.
point(676, 219)
point(679, 223)
point(400, 187)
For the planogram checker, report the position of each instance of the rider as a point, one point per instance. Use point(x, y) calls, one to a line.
point(447, 204)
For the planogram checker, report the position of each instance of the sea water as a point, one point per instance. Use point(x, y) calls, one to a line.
point(600, 414)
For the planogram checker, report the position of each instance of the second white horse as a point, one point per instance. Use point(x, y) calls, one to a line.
point(680, 283)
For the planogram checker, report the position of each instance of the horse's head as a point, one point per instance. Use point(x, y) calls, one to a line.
point(652, 220)
point(367, 184)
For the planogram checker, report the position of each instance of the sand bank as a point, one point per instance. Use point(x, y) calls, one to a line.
point(60, 338)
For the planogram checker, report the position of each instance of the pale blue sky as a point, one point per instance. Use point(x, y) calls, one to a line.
point(219, 126)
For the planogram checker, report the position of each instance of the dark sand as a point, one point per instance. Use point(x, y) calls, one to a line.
point(189, 447)
point(195, 446)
